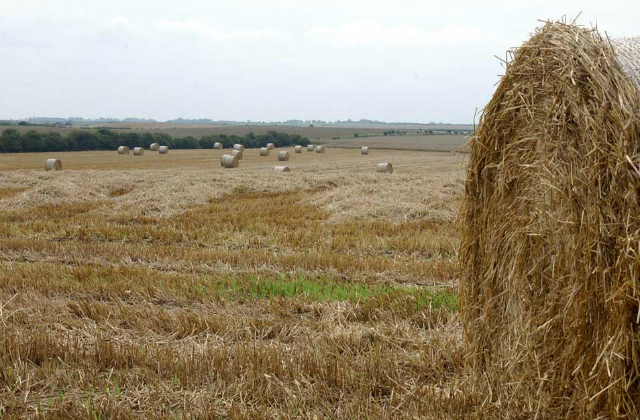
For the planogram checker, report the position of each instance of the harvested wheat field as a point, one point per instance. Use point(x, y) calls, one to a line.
point(169, 287)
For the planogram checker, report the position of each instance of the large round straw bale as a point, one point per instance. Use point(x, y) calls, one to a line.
point(238, 147)
point(53, 165)
point(298, 149)
point(154, 147)
point(385, 167)
point(237, 153)
point(283, 155)
point(282, 169)
point(138, 151)
point(310, 148)
point(217, 145)
point(550, 286)
point(271, 146)
point(123, 150)
point(163, 150)
point(319, 149)
point(229, 161)
point(264, 151)
point(364, 150)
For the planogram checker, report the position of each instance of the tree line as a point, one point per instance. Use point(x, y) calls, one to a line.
point(12, 141)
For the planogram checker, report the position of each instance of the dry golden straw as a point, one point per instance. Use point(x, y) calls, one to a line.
point(282, 169)
point(138, 151)
point(264, 151)
point(229, 161)
point(53, 165)
point(283, 156)
point(154, 147)
point(384, 167)
point(550, 288)
point(237, 153)
point(123, 150)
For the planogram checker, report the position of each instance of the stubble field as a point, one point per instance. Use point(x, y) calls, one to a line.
point(168, 287)
point(433, 143)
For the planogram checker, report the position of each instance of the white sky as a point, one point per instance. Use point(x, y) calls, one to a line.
point(392, 60)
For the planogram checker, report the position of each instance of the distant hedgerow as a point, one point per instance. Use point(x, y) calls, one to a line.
point(12, 141)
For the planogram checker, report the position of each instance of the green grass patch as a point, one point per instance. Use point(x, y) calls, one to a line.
point(321, 289)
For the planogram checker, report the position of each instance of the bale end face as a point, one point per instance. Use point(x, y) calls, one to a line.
point(123, 150)
point(283, 156)
point(138, 151)
point(384, 168)
point(229, 161)
point(264, 151)
point(154, 147)
point(319, 149)
point(238, 147)
point(53, 165)
point(237, 154)
point(163, 150)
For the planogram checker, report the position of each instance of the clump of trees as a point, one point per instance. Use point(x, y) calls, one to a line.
point(404, 133)
point(12, 141)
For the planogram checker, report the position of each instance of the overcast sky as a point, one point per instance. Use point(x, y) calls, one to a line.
point(272, 60)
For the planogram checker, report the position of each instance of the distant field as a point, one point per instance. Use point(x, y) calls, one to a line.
point(445, 143)
point(194, 130)
point(24, 128)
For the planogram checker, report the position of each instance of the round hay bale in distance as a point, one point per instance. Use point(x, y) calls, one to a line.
point(271, 146)
point(229, 161)
point(364, 150)
point(264, 151)
point(298, 149)
point(283, 156)
point(123, 150)
point(310, 148)
point(237, 153)
point(282, 169)
point(385, 167)
point(53, 165)
point(319, 149)
point(154, 147)
point(138, 151)
point(163, 150)
point(550, 285)
point(217, 145)
point(238, 147)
